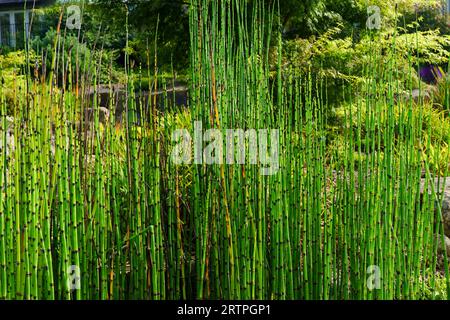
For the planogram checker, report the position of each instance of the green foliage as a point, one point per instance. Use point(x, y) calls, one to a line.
point(12, 75)
point(164, 20)
point(343, 60)
point(435, 129)
point(80, 55)
point(441, 94)
point(434, 288)
point(107, 198)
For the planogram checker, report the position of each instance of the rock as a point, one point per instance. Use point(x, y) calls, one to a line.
point(442, 252)
point(103, 115)
point(9, 136)
point(417, 96)
point(442, 248)
point(442, 188)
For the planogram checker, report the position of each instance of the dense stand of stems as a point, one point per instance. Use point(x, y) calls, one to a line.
point(102, 201)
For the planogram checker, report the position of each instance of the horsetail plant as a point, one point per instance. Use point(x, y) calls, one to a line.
point(93, 207)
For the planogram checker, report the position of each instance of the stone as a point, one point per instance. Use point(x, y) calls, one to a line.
point(424, 95)
point(103, 115)
point(442, 187)
point(9, 136)
point(442, 252)
point(446, 247)
point(419, 95)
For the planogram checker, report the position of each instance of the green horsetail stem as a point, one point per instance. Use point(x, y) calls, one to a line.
point(93, 207)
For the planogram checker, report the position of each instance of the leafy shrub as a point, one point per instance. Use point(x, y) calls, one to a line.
point(345, 61)
point(12, 78)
